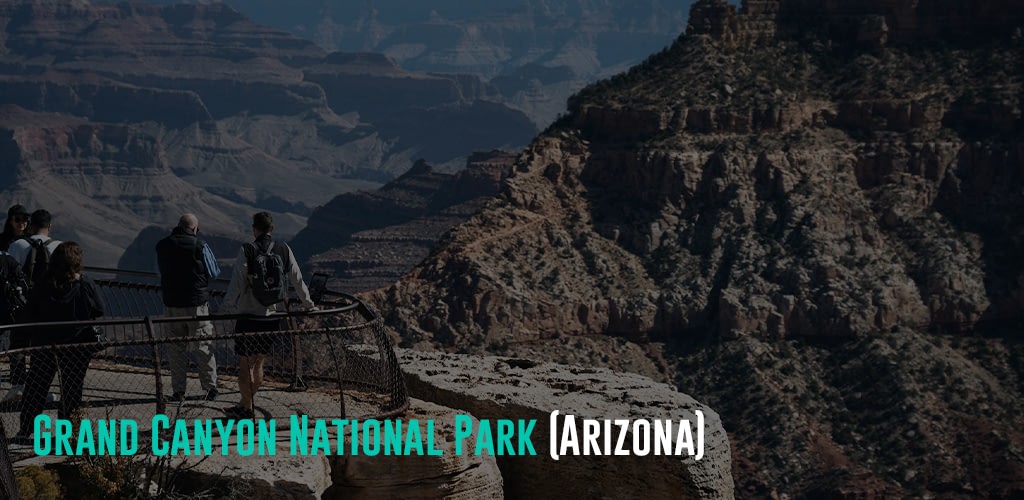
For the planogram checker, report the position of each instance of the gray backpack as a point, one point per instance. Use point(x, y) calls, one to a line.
point(267, 274)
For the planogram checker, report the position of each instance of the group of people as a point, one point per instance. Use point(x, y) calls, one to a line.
point(48, 273)
point(186, 266)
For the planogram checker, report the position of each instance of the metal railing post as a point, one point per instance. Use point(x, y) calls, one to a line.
point(297, 384)
point(161, 405)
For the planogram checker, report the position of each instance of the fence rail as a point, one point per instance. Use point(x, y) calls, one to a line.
point(333, 362)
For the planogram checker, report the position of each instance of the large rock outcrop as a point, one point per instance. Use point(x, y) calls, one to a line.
point(451, 475)
point(869, 24)
point(759, 193)
point(812, 201)
point(511, 388)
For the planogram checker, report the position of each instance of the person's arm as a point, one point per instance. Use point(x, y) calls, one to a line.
point(295, 277)
point(238, 282)
point(95, 299)
point(212, 268)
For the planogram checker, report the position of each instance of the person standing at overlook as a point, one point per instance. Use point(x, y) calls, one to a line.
point(186, 266)
point(259, 284)
point(33, 254)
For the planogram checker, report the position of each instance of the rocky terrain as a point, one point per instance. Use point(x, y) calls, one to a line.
point(806, 216)
point(142, 110)
point(369, 239)
point(493, 388)
point(536, 52)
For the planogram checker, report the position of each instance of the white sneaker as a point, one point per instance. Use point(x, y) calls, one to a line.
point(14, 394)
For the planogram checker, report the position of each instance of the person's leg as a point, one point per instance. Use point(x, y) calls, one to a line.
point(19, 366)
point(37, 384)
point(257, 373)
point(73, 365)
point(205, 359)
point(177, 352)
point(245, 381)
point(262, 347)
point(244, 372)
point(18, 369)
point(18, 375)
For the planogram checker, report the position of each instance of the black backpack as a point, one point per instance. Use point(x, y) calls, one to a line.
point(267, 274)
point(37, 261)
point(13, 289)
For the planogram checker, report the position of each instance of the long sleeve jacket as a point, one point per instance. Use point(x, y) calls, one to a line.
point(240, 299)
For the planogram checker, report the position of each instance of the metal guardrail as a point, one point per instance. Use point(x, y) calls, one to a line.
point(328, 363)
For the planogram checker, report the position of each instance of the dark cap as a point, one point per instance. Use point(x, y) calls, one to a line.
point(17, 210)
point(41, 218)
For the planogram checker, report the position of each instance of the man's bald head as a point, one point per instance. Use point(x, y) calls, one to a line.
point(189, 221)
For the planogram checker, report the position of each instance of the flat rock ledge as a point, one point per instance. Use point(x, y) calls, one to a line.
point(451, 476)
point(510, 388)
point(263, 478)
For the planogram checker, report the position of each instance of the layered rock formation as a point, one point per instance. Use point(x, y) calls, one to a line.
point(450, 475)
point(831, 187)
point(512, 388)
point(367, 240)
point(778, 217)
point(101, 182)
point(537, 52)
point(256, 117)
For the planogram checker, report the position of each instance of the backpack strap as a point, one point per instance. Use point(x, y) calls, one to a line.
point(251, 250)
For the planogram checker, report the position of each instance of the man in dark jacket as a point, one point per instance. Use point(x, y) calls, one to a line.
point(186, 267)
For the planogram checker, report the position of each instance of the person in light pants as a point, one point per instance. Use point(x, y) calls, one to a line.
point(186, 266)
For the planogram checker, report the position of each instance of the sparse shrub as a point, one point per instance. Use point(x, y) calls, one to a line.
point(37, 483)
point(112, 477)
point(109, 477)
point(498, 347)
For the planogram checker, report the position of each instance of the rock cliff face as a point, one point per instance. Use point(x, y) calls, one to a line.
point(496, 388)
point(778, 212)
point(100, 181)
point(254, 116)
point(368, 240)
point(869, 24)
point(821, 188)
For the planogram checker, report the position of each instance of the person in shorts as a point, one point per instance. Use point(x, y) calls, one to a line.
point(240, 299)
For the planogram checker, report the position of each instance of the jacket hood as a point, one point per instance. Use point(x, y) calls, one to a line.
point(67, 294)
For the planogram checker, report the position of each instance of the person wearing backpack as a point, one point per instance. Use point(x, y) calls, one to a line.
point(33, 253)
point(263, 271)
point(186, 266)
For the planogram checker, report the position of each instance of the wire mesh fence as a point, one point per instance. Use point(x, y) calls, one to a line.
point(329, 363)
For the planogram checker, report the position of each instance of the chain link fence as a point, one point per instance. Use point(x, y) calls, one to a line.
point(335, 362)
